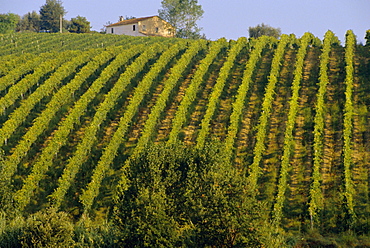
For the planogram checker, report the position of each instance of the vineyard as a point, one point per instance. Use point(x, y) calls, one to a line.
point(290, 115)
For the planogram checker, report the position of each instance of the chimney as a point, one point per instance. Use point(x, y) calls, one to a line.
point(121, 18)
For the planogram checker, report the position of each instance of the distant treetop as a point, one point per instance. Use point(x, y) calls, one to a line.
point(367, 37)
point(263, 29)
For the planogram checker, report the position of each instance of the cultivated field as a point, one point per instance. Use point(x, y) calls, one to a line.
point(76, 109)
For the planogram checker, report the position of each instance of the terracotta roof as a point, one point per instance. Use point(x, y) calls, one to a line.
point(130, 21)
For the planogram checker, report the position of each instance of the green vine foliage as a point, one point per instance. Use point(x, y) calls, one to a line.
point(45, 161)
point(193, 89)
point(348, 124)
point(19, 115)
point(288, 136)
point(265, 113)
point(316, 196)
point(238, 105)
point(214, 98)
point(92, 190)
point(88, 140)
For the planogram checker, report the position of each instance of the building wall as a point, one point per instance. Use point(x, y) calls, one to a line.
point(149, 27)
point(125, 29)
point(156, 27)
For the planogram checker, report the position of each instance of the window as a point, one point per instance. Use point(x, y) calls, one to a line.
point(112, 31)
point(156, 30)
point(144, 28)
point(133, 27)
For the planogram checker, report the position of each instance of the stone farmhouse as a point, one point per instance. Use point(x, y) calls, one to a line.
point(144, 26)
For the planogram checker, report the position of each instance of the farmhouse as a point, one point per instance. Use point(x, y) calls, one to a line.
point(144, 26)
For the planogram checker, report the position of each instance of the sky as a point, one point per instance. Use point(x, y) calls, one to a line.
point(227, 18)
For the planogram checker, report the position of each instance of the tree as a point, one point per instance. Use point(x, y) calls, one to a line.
point(143, 212)
point(8, 23)
point(48, 228)
point(51, 13)
point(183, 15)
point(29, 22)
point(367, 37)
point(129, 17)
point(263, 29)
point(179, 196)
point(79, 24)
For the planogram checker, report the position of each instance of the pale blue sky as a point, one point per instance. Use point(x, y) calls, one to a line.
point(227, 18)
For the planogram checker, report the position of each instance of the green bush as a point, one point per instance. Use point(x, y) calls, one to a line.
point(89, 234)
point(10, 231)
point(48, 228)
point(181, 196)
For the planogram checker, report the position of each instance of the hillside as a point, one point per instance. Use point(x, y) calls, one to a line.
point(78, 110)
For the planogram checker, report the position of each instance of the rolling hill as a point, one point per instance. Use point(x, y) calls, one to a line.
point(77, 110)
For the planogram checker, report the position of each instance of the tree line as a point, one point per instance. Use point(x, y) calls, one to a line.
point(183, 15)
point(50, 18)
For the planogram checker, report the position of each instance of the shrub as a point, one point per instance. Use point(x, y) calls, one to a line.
point(48, 228)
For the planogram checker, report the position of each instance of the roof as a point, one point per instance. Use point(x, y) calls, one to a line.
point(130, 21)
